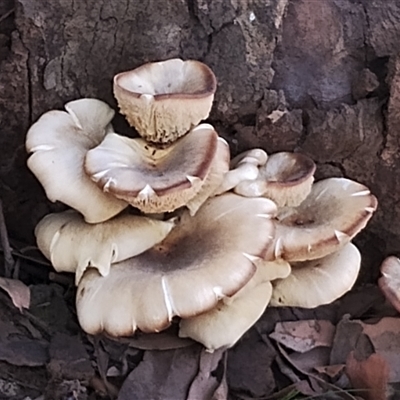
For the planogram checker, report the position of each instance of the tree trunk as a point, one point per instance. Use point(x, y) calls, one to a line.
point(331, 66)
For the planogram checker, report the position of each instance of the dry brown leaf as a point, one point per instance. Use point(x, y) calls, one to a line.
point(370, 375)
point(304, 335)
point(20, 293)
point(333, 371)
point(385, 338)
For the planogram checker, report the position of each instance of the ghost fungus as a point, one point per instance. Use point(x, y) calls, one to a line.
point(331, 215)
point(204, 259)
point(389, 282)
point(320, 281)
point(72, 245)
point(164, 100)
point(155, 179)
point(58, 142)
point(286, 178)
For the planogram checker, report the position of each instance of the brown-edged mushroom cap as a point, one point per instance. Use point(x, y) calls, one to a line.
point(389, 282)
point(151, 178)
point(286, 178)
point(72, 245)
point(164, 100)
point(316, 282)
point(225, 324)
point(204, 259)
point(332, 214)
point(58, 142)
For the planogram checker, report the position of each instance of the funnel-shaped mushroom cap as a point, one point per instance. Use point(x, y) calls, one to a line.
point(389, 283)
point(59, 141)
point(72, 245)
point(286, 178)
point(332, 214)
point(164, 100)
point(150, 178)
point(225, 324)
point(203, 259)
point(317, 282)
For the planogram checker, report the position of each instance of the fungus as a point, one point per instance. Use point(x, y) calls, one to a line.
point(58, 142)
point(316, 282)
point(286, 178)
point(164, 100)
point(204, 259)
point(72, 245)
point(155, 179)
point(224, 325)
point(389, 282)
point(331, 215)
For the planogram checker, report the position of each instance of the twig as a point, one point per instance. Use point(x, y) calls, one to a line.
point(7, 14)
point(5, 244)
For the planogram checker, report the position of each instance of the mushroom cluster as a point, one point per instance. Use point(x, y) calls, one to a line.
point(166, 229)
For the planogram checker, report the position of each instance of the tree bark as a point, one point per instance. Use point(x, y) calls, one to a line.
point(331, 66)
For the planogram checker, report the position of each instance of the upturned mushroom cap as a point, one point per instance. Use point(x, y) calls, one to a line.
point(317, 282)
point(58, 142)
point(204, 259)
point(331, 215)
point(286, 178)
point(389, 282)
point(72, 245)
point(164, 100)
point(225, 324)
point(151, 178)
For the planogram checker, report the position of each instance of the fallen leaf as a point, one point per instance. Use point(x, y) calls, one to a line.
point(24, 352)
point(333, 371)
point(303, 336)
point(385, 338)
point(208, 377)
point(162, 375)
point(20, 293)
point(370, 376)
point(249, 366)
point(308, 361)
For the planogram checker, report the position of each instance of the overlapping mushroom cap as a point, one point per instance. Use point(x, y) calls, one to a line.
point(203, 259)
point(156, 179)
point(285, 178)
point(389, 282)
point(72, 245)
point(331, 215)
point(321, 281)
point(58, 142)
point(225, 324)
point(164, 100)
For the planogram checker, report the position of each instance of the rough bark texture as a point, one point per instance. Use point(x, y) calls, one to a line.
point(331, 66)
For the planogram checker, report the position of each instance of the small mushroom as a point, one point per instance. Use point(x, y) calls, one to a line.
point(164, 100)
point(255, 156)
point(58, 142)
point(316, 282)
point(204, 259)
point(331, 215)
point(72, 245)
point(225, 324)
point(286, 178)
point(155, 179)
point(389, 282)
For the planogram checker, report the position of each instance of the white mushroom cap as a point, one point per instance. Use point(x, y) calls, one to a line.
point(164, 100)
point(317, 282)
point(151, 178)
point(58, 142)
point(225, 324)
point(286, 178)
point(332, 214)
point(255, 156)
point(72, 245)
point(242, 168)
point(389, 282)
point(204, 259)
